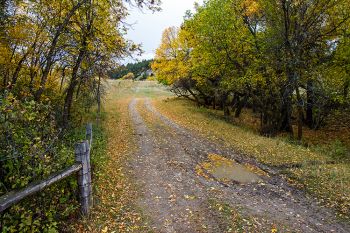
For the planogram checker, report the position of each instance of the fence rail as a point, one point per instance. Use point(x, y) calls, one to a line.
point(82, 167)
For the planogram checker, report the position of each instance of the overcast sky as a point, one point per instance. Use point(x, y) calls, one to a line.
point(148, 27)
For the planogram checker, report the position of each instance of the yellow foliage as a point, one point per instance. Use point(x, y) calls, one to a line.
point(251, 7)
point(171, 60)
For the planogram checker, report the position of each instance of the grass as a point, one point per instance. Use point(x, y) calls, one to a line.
point(317, 169)
point(137, 89)
point(116, 193)
point(238, 222)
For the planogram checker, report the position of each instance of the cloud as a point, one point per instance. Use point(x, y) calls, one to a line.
point(147, 27)
point(144, 56)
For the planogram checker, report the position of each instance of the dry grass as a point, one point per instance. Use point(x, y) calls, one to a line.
point(317, 172)
point(270, 151)
point(116, 193)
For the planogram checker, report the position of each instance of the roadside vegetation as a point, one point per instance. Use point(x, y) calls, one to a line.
point(54, 58)
point(287, 61)
point(115, 191)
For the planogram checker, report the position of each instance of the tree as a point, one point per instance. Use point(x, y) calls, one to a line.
point(128, 76)
point(278, 57)
point(172, 62)
point(54, 58)
point(304, 31)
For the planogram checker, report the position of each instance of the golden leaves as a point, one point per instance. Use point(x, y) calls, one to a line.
point(251, 7)
point(115, 192)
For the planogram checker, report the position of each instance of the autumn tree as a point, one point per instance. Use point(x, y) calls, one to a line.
point(128, 76)
point(172, 62)
point(54, 56)
point(277, 57)
point(305, 32)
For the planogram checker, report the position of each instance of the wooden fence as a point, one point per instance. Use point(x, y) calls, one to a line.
point(82, 167)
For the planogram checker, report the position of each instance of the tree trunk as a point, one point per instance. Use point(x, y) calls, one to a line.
point(214, 102)
point(346, 88)
point(70, 90)
point(288, 92)
point(286, 124)
point(227, 112)
point(7, 70)
point(194, 96)
point(225, 106)
point(300, 109)
point(51, 53)
point(68, 103)
point(309, 104)
point(99, 96)
point(18, 69)
point(240, 106)
point(63, 77)
point(300, 123)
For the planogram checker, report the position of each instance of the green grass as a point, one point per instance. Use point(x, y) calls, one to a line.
point(230, 218)
point(323, 171)
point(233, 221)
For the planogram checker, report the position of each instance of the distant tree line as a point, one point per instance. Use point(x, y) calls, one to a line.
point(138, 69)
point(287, 60)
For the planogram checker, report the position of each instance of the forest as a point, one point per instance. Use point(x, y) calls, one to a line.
point(287, 61)
point(139, 70)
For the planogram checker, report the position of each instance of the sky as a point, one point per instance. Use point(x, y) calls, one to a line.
point(147, 27)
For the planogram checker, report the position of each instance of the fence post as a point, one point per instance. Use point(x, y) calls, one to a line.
point(84, 183)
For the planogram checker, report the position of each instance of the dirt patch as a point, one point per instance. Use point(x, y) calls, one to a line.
point(161, 174)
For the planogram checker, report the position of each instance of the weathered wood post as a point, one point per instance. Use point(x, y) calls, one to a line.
point(89, 138)
point(84, 183)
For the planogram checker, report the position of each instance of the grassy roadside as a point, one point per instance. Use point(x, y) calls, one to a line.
point(321, 174)
point(115, 192)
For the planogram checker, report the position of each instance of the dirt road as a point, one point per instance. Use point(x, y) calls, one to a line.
point(177, 194)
